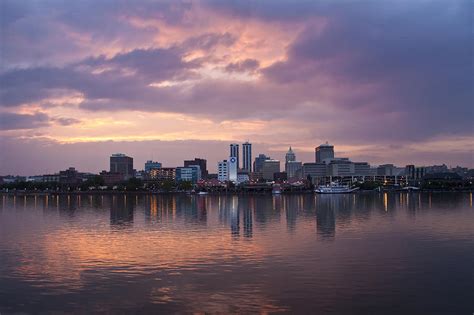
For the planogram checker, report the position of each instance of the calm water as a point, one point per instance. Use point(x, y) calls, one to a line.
point(363, 253)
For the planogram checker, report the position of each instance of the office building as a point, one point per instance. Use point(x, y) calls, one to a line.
point(234, 152)
point(420, 172)
point(149, 165)
point(314, 170)
point(386, 170)
point(247, 157)
point(111, 178)
point(223, 171)
point(436, 169)
point(291, 165)
point(120, 163)
point(324, 153)
point(69, 177)
point(340, 167)
point(410, 171)
point(269, 168)
point(232, 168)
point(362, 169)
point(292, 169)
point(290, 156)
point(202, 165)
point(258, 163)
point(190, 173)
point(49, 178)
point(242, 177)
point(164, 173)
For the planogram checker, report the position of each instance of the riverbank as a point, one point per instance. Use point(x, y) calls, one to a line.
point(215, 193)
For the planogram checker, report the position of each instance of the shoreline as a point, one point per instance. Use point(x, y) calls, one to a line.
point(110, 192)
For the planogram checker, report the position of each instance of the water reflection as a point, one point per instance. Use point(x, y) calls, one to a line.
point(121, 211)
point(231, 254)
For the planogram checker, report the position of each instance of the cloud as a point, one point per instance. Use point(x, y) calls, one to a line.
point(247, 65)
point(64, 121)
point(12, 121)
point(352, 73)
point(58, 32)
point(406, 73)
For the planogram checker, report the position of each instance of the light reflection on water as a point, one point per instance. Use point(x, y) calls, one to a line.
point(388, 253)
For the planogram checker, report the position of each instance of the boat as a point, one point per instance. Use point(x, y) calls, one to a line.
point(276, 190)
point(203, 193)
point(410, 188)
point(335, 188)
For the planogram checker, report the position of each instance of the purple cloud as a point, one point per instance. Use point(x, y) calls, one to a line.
point(365, 72)
point(247, 65)
point(11, 121)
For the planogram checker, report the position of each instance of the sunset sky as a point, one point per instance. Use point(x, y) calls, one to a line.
point(384, 81)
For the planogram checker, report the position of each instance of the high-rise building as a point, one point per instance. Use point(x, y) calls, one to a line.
point(291, 165)
point(386, 170)
point(341, 167)
point(122, 164)
point(361, 169)
point(420, 172)
point(292, 168)
point(233, 169)
point(202, 164)
point(258, 163)
point(269, 168)
point(164, 173)
point(436, 169)
point(247, 157)
point(234, 152)
point(149, 165)
point(324, 153)
point(70, 176)
point(242, 177)
point(223, 171)
point(290, 156)
point(410, 171)
point(314, 170)
point(190, 173)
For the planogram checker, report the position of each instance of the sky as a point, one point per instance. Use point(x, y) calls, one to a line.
point(384, 81)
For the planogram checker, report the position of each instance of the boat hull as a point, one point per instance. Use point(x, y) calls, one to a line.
point(332, 191)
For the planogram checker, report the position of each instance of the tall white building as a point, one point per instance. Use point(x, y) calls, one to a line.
point(247, 157)
point(223, 171)
point(291, 165)
point(292, 168)
point(232, 168)
point(234, 152)
point(290, 156)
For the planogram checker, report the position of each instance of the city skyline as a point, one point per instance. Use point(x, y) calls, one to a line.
point(289, 156)
point(170, 81)
point(140, 159)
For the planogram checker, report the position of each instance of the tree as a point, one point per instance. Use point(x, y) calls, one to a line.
point(185, 185)
point(167, 185)
point(134, 184)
